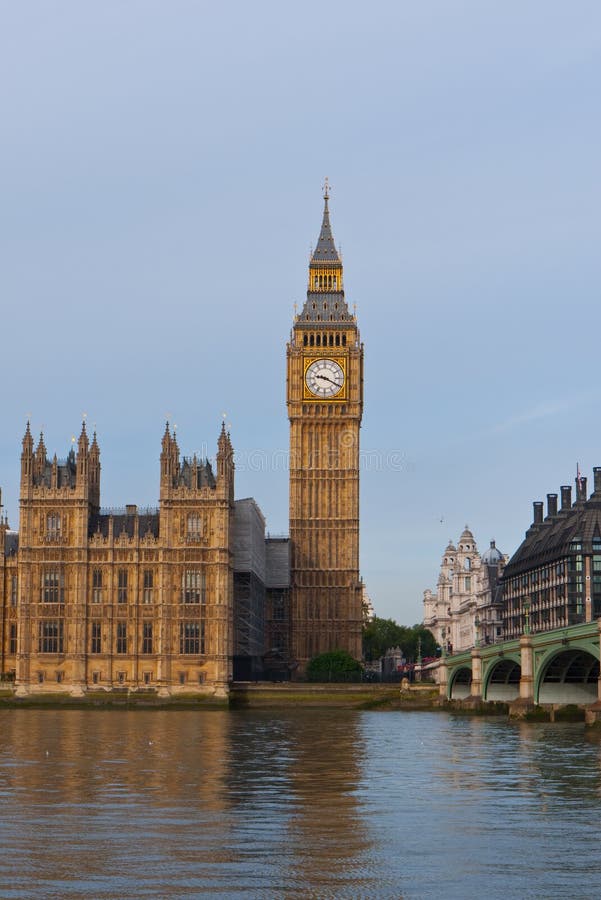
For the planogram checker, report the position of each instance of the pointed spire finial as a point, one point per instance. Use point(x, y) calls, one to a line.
point(326, 189)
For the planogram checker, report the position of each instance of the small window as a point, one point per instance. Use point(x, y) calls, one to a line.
point(121, 677)
point(147, 637)
point(193, 586)
point(147, 677)
point(121, 637)
point(12, 649)
point(59, 677)
point(14, 586)
point(147, 596)
point(122, 586)
point(40, 678)
point(194, 527)
point(97, 586)
point(53, 526)
point(95, 677)
point(50, 636)
point(182, 677)
point(53, 586)
point(96, 637)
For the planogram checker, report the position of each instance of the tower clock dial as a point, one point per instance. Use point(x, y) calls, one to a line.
point(324, 378)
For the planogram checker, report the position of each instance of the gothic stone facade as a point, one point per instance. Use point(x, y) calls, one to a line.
point(95, 600)
point(325, 405)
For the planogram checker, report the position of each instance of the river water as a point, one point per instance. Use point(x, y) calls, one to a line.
point(115, 804)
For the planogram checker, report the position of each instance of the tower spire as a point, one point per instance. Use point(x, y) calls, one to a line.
point(325, 276)
point(325, 249)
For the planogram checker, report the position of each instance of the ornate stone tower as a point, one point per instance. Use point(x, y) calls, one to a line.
point(325, 404)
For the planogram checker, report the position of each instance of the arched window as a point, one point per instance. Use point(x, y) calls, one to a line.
point(311, 341)
point(194, 527)
point(318, 340)
point(305, 340)
point(53, 526)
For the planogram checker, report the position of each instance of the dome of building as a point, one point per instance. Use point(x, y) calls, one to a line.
point(492, 556)
point(466, 535)
point(451, 548)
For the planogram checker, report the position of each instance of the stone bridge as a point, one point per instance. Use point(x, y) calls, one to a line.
point(552, 668)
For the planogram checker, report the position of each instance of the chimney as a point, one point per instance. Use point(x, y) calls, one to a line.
point(131, 509)
point(551, 505)
point(597, 473)
point(537, 506)
point(580, 488)
point(566, 496)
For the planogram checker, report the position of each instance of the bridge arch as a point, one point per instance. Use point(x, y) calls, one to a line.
point(502, 680)
point(569, 675)
point(460, 684)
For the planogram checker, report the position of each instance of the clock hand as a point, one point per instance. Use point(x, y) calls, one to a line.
point(331, 380)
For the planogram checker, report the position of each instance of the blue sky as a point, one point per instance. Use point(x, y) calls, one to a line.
point(160, 181)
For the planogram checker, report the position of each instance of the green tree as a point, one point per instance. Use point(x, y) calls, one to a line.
point(381, 635)
point(337, 665)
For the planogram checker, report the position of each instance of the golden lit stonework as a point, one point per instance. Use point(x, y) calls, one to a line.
point(325, 404)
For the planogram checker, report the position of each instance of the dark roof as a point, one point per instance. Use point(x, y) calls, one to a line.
point(328, 309)
point(195, 474)
point(325, 251)
point(550, 540)
point(66, 472)
point(124, 522)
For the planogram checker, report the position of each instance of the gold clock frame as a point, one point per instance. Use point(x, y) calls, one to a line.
point(342, 394)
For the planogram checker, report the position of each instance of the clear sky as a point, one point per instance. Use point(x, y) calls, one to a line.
point(161, 167)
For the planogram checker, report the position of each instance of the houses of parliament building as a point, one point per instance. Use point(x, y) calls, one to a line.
point(186, 597)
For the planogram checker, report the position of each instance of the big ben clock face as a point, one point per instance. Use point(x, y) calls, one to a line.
point(324, 378)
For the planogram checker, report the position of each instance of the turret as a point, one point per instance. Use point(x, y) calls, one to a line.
point(82, 458)
point(225, 464)
point(27, 458)
point(169, 459)
point(39, 459)
point(94, 472)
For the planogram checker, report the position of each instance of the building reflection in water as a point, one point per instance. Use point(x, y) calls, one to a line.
point(294, 780)
point(106, 803)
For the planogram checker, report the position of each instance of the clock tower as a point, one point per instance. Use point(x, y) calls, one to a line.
point(325, 403)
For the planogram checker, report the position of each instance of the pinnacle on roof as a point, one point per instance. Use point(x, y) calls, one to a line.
point(27, 438)
point(325, 251)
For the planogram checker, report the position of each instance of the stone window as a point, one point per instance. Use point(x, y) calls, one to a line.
point(14, 585)
point(194, 527)
point(122, 586)
point(53, 526)
point(193, 586)
point(121, 637)
point(191, 638)
point(147, 637)
point(53, 586)
point(96, 638)
point(147, 595)
point(50, 636)
point(12, 646)
point(97, 586)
